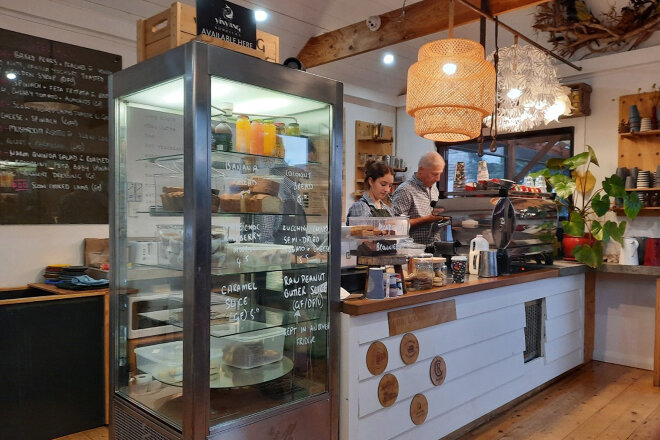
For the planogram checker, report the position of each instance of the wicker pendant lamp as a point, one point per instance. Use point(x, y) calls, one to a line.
point(451, 88)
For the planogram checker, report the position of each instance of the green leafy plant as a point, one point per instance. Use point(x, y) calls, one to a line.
point(585, 206)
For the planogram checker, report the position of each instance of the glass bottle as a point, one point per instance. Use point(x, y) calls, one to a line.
point(269, 138)
point(243, 134)
point(280, 128)
point(257, 137)
point(293, 129)
point(223, 136)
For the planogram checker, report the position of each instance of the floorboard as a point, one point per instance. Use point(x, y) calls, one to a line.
point(598, 401)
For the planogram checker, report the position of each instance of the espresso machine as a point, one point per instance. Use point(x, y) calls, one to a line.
point(520, 225)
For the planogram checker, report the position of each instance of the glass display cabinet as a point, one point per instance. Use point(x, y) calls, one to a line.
point(226, 192)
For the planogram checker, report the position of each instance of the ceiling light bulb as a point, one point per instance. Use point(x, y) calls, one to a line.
point(514, 93)
point(260, 15)
point(449, 68)
point(11, 75)
point(388, 58)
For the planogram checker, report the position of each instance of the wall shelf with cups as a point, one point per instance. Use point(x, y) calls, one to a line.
point(641, 147)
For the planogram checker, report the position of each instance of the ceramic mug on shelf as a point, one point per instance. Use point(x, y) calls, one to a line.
point(629, 252)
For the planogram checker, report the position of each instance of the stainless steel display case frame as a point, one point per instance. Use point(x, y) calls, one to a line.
point(196, 62)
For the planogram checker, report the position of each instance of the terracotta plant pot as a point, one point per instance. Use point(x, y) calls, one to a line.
point(570, 241)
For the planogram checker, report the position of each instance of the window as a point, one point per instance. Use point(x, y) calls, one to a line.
point(517, 154)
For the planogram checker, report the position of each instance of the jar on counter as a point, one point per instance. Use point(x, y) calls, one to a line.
point(439, 271)
point(422, 273)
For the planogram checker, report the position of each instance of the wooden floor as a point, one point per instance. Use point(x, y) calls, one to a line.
point(598, 401)
point(93, 434)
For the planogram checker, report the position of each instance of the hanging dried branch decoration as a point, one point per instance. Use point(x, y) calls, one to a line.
point(572, 26)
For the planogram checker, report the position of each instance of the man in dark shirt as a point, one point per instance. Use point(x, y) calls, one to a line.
point(414, 196)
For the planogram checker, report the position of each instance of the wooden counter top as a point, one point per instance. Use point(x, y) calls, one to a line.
point(58, 294)
point(471, 285)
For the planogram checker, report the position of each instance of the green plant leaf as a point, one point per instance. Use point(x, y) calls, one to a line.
point(597, 230)
point(592, 156)
point(565, 189)
point(579, 159)
point(574, 226)
point(555, 163)
point(614, 186)
point(631, 205)
point(614, 231)
point(545, 172)
point(592, 256)
point(600, 205)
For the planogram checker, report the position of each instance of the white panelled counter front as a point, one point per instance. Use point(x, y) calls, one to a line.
point(423, 365)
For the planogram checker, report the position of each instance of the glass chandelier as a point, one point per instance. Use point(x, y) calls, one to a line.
point(529, 93)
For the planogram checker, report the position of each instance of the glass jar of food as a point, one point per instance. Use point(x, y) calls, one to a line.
point(421, 277)
point(439, 272)
point(293, 129)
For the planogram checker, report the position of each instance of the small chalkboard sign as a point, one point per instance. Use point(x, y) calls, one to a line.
point(53, 131)
point(226, 21)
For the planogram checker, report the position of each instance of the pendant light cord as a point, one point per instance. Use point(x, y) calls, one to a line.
point(451, 18)
point(493, 120)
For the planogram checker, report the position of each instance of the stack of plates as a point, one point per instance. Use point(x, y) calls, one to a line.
point(657, 178)
point(643, 179)
point(645, 124)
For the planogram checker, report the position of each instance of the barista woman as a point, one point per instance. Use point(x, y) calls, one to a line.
point(378, 180)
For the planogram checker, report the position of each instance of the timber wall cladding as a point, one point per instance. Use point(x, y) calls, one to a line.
point(483, 353)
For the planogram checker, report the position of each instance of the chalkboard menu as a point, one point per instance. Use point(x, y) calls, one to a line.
point(53, 131)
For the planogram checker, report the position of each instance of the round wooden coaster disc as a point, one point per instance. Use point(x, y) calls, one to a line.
point(419, 409)
point(409, 348)
point(438, 370)
point(377, 358)
point(388, 390)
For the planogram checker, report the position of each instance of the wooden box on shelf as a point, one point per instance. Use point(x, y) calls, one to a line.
point(176, 26)
point(580, 96)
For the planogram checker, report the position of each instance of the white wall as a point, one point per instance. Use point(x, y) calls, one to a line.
point(409, 146)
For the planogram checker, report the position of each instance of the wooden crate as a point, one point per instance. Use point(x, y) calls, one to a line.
point(176, 26)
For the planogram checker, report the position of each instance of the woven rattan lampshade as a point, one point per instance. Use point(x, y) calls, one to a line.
point(450, 89)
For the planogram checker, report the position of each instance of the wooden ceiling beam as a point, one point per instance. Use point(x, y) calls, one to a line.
point(420, 19)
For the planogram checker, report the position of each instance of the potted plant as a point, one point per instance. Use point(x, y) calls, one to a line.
point(584, 233)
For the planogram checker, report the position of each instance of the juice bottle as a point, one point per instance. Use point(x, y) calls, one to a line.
point(257, 137)
point(269, 138)
point(222, 136)
point(243, 134)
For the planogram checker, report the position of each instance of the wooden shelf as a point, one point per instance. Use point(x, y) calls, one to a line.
point(639, 149)
point(639, 134)
point(644, 212)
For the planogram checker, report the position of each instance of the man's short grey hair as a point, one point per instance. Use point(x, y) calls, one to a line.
point(430, 159)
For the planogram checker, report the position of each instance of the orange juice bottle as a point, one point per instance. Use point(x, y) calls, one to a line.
point(257, 137)
point(269, 138)
point(243, 134)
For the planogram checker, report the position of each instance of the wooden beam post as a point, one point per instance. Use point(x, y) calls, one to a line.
point(589, 314)
point(423, 18)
